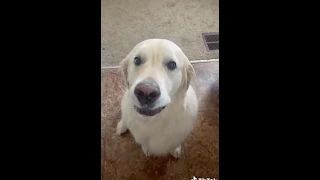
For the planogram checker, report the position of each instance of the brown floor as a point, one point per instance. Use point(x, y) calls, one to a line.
point(122, 158)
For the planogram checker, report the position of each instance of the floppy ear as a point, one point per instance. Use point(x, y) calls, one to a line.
point(188, 73)
point(124, 71)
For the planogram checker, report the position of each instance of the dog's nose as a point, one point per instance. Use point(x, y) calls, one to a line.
point(147, 92)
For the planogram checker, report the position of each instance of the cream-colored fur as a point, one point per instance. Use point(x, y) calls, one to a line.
point(164, 132)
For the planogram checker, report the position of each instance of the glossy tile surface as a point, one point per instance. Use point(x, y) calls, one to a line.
point(122, 158)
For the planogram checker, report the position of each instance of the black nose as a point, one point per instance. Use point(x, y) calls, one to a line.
point(147, 92)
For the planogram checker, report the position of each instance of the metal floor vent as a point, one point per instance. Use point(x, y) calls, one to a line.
point(211, 41)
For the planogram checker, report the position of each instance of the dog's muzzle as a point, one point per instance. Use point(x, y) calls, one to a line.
point(147, 93)
point(147, 111)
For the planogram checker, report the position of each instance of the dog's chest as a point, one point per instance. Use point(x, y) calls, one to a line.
point(149, 131)
point(160, 135)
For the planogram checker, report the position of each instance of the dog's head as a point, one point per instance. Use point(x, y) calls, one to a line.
point(156, 72)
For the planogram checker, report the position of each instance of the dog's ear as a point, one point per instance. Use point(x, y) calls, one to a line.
point(124, 71)
point(188, 73)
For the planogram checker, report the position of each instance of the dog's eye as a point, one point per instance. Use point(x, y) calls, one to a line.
point(171, 65)
point(137, 61)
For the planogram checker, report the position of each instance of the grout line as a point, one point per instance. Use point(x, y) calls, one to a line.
point(110, 67)
point(192, 62)
point(204, 61)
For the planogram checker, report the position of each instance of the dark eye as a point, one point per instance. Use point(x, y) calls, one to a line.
point(137, 61)
point(171, 65)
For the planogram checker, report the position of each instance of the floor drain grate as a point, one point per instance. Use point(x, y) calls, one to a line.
point(211, 41)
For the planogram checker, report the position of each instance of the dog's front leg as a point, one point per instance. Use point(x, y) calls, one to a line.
point(145, 151)
point(121, 127)
point(176, 152)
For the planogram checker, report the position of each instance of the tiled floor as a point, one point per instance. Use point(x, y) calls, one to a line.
point(122, 158)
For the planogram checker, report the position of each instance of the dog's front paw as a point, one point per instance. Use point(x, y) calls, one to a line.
point(176, 153)
point(145, 151)
point(121, 128)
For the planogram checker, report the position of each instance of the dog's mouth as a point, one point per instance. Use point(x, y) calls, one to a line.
point(148, 112)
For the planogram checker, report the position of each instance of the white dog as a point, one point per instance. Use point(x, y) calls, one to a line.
point(159, 106)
